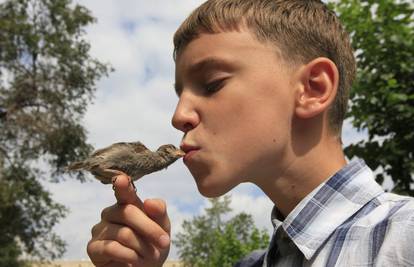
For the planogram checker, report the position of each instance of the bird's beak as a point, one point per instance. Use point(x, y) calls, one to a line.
point(179, 153)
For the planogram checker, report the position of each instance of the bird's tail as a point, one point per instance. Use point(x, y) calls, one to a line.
point(75, 166)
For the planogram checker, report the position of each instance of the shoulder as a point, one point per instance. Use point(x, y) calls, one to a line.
point(385, 209)
point(388, 220)
point(401, 216)
point(397, 208)
point(382, 234)
point(397, 230)
point(389, 210)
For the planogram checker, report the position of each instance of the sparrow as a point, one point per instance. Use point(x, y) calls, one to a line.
point(133, 159)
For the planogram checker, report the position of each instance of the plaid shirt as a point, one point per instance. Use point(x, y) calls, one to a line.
point(346, 221)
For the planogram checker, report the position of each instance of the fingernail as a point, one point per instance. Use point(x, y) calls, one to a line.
point(164, 241)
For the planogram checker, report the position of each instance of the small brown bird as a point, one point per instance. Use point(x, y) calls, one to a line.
point(133, 159)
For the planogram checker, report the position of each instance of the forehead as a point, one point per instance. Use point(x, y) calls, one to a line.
point(220, 50)
point(220, 44)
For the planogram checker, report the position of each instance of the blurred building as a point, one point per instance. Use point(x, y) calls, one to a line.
point(170, 263)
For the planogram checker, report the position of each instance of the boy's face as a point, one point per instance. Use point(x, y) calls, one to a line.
point(235, 107)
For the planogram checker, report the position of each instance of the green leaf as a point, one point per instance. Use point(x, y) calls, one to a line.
point(203, 242)
point(53, 79)
point(382, 97)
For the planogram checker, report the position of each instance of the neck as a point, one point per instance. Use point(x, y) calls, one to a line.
point(303, 169)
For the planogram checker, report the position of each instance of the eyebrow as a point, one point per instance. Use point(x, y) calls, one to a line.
point(205, 64)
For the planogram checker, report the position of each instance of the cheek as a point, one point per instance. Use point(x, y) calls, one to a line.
point(254, 139)
point(239, 152)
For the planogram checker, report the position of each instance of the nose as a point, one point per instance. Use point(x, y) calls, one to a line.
point(185, 117)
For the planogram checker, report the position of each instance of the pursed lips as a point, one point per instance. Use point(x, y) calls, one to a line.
point(189, 150)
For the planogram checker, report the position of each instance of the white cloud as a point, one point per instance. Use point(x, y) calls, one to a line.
point(350, 135)
point(259, 207)
point(136, 103)
point(86, 201)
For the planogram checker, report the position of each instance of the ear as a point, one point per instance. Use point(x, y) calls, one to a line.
point(319, 81)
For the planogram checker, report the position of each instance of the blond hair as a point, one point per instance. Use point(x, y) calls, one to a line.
point(301, 29)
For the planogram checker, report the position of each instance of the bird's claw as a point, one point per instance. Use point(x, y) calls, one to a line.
point(116, 177)
point(133, 185)
point(130, 181)
point(113, 182)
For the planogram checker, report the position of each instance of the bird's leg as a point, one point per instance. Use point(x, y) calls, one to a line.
point(115, 176)
point(132, 183)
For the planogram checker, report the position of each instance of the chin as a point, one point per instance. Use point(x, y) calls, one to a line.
point(210, 182)
point(210, 193)
point(212, 189)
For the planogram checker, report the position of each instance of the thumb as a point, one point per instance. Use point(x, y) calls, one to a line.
point(125, 192)
point(156, 209)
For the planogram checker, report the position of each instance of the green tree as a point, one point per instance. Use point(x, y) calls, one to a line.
point(382, 98)
point(47, 79)
point(209, 240)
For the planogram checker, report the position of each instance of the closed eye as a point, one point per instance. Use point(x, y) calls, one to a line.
point(214, 86)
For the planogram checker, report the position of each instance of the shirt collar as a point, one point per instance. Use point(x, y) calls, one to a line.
point(329, 205)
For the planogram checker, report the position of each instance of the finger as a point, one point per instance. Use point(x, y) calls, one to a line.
point(124, 191)
point(156, 209)
point(135, 218)
point(128, 238)
point(116, 264)
point(103, 252)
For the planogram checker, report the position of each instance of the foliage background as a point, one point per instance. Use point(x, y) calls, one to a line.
point(47, 80)
point(213, 240)
point(382, 98)
point(140, 93)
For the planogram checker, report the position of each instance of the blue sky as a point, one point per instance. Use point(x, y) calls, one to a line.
point(136, 102)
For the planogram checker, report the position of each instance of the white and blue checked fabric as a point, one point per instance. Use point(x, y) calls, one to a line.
point(346, 221)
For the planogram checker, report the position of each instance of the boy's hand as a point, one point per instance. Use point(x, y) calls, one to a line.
point(130, 233)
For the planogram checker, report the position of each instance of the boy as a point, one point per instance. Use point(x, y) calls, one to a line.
point(263, 89)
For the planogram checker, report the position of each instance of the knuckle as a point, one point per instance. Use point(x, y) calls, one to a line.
point(129, 208)
point(156, 255)
point(125, 235)
point(90, 248)
point(95, 230)
point(109, 247)
point(105, 213)
point(155, 232)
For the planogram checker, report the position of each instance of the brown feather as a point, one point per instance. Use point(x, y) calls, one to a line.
point(134, 159)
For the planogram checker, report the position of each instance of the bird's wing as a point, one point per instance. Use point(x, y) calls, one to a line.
point(115, 146)
point(75, 166)
point(139, 147)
